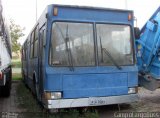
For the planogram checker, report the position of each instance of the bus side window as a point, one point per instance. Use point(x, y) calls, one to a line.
point(36, 32)
point(41, 41)
point(23, 52)
point(28, 50)
point(25, 49)
point(31, 45)
point(44, 38)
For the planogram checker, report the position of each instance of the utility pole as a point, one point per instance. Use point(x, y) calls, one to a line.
point(126, 4)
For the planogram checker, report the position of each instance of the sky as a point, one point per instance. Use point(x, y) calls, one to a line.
point(23, 12)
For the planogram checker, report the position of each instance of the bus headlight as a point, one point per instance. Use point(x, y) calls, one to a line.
point(132, 90)
point(56, 95)
point(53, 95)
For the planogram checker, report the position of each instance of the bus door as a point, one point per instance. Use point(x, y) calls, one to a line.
point(42, 43)
point(33, 68)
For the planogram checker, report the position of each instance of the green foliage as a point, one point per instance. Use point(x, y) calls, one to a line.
point(16, 63)
point(16, 76)
point(16, 33)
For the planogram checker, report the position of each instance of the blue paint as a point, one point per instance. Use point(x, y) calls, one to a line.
point(91, 81)
point(95, 81)
point(149, 61)
point(152, 26)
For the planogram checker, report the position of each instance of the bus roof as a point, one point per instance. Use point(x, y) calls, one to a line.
point(90, 7)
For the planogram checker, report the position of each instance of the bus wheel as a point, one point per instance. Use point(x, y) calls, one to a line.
point(24, 80)
point(36, 86)
point(6, 89)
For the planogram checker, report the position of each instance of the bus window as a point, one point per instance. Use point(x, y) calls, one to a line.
point(72, 43)
point(44, 37)
point(31, 44)
point(116, 40)
point(35, 48)
point(36, 42)
point(24, 52)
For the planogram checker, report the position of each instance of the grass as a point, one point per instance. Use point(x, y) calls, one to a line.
point(32, 109)
point(16, 76)
point(29, 104)
point(16, 63)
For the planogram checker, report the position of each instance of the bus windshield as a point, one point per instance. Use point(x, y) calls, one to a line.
point(72, 44)
point(116, 40)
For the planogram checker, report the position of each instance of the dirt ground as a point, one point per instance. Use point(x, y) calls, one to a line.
point(10, 104)
point(148, 102)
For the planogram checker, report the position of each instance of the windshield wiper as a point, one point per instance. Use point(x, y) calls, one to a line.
point(108, 54)
point(70, 58)
point(68, 50)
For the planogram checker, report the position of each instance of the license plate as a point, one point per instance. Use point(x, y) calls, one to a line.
point(97, 101)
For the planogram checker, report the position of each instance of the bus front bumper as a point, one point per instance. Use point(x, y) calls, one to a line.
point(91, 101)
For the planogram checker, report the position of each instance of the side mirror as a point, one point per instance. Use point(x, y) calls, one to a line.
point(137, 33)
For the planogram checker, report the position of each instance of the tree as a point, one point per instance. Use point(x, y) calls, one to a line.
point(16, 33)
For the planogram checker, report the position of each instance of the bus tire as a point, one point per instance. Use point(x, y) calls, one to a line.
point(6, 89)
point(36, 88)
point(24, 80)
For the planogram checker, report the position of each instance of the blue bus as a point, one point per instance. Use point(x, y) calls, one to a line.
point(81, 56)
